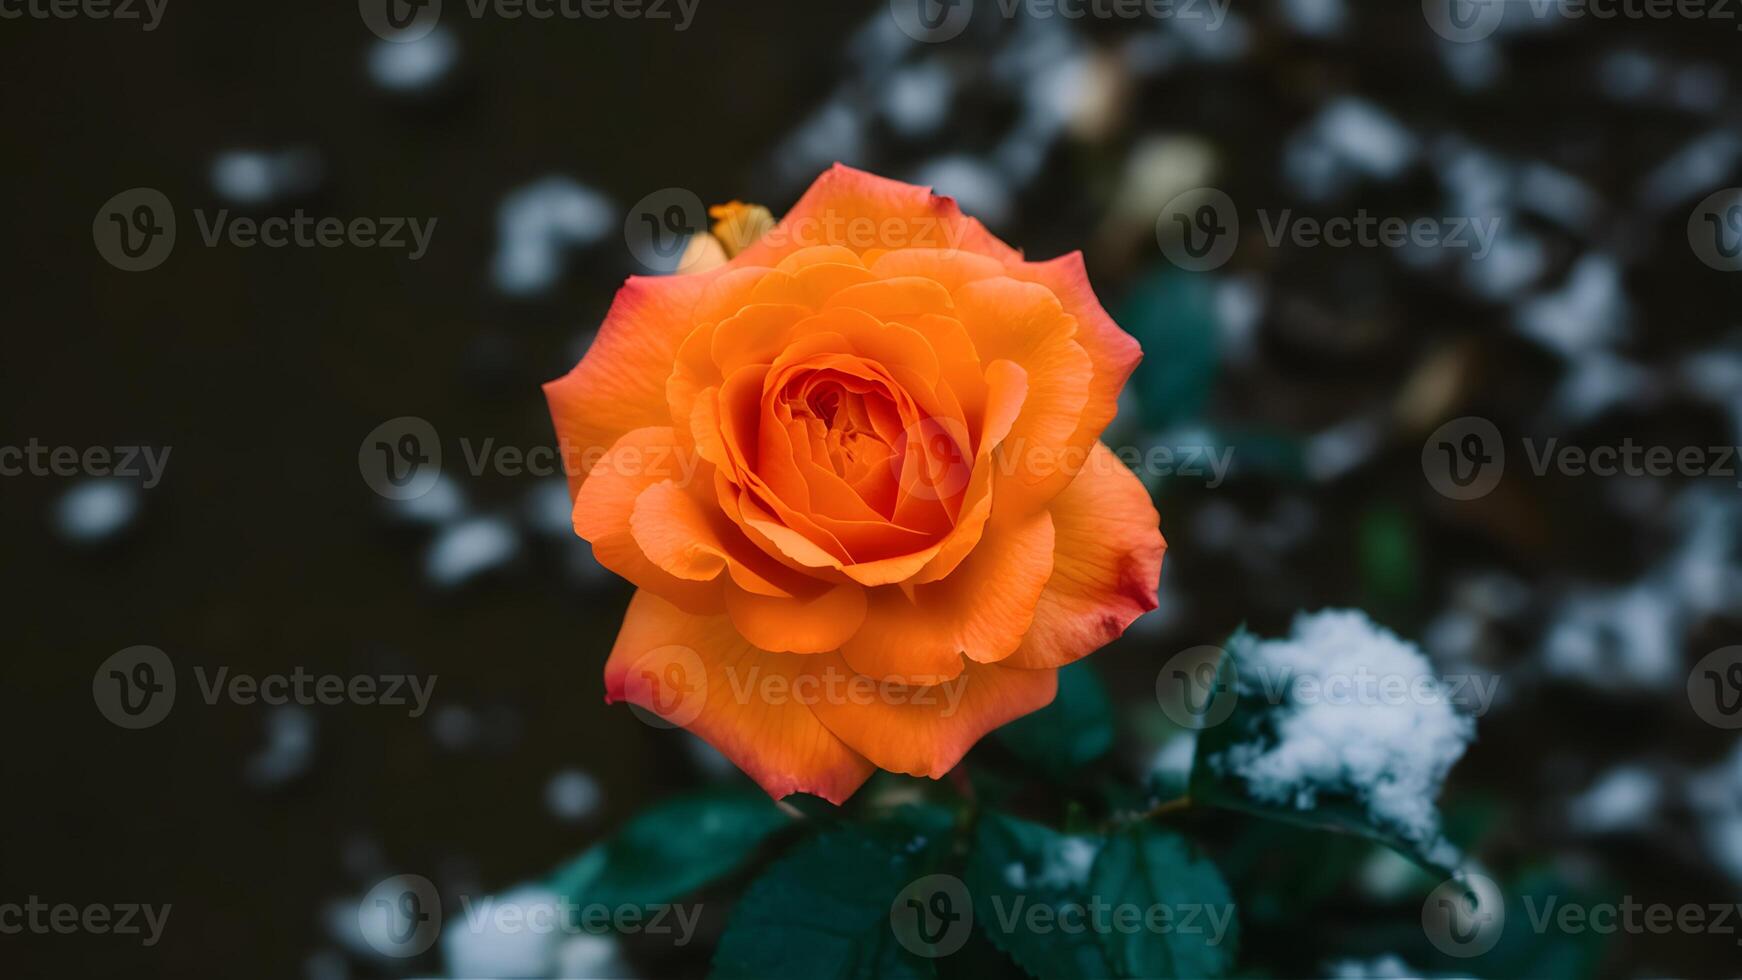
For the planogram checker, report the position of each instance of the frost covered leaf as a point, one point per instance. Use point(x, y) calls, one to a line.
point(1156, 871)
point(1030, 889)
point(1073, 731)
point(671, 849)
point(1342, 726)
point(823, 910)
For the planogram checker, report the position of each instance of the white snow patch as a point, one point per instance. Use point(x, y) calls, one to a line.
point(1391, 756)
point(536, 223)
point(96, 509)
point(470, 548)
point(475, 944)
point(1623, 798)
point(410, 66)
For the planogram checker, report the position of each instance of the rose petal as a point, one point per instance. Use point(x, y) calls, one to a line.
point(925, 731)
point(1106, 565)
point(606, 502)
point(778, 741)
point(981, 611)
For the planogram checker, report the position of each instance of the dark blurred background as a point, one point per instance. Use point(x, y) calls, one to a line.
point(266, 374)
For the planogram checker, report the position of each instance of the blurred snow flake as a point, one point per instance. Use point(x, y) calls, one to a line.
point(413, 66)
point(258, 177)
point(917, 99)
point(484, 945)
point(469, 548)
point(289, 749)
point(536, 223)
point(443, 503)
point(1715, 796)
point(1588, 311)
point(572, 795)
point(590, 955)
point(1315, 18)
point(1623, 798)
point(96, 510)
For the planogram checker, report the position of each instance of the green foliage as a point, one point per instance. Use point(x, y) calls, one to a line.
point(824, 909)
point(1147, 867)
point(672, 849)
point(1174, 311)
point(1020, 872)
point(1061, 868)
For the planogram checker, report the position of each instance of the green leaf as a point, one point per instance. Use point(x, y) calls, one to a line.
point(1149, 868)
point(823, 910)
point(1174, 311)
point(1071, 732)
point(1390, 557)
point(1023, 876)
point(1253, 720)
point(672, 849)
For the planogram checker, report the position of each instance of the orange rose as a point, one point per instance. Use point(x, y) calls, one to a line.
point(854, 469)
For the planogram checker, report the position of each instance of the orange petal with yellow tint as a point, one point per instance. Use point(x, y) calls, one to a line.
point(1106, 565)
point(698, 672)
point(810, 624)
point(1114, 352)
point(867, 213)
point(606, 502)
point(620, 383)
point(925, 731)
point(981, 611)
